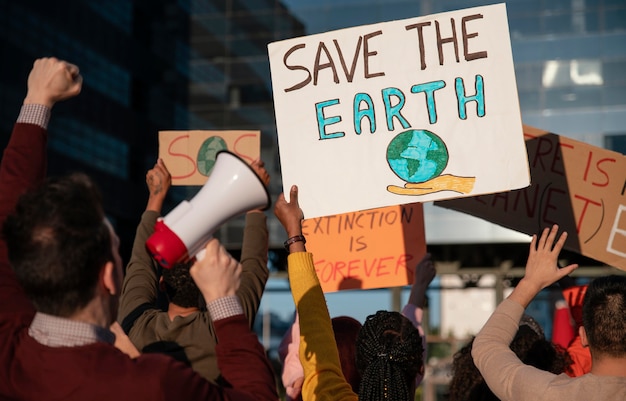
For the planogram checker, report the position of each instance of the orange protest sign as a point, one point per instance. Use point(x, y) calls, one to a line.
point(575, 185)
point(190, 155)
point(375, 248)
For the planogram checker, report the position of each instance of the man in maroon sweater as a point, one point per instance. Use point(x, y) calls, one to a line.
point(60, 279)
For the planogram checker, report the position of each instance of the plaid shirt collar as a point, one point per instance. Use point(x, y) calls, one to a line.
point(55, 331)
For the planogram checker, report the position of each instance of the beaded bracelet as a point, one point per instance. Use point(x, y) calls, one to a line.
point(294, 239)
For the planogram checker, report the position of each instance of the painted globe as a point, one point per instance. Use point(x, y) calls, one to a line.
point(208, 153)
point(417, 155)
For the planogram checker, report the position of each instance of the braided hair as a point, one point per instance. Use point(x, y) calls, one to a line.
point(389, 357)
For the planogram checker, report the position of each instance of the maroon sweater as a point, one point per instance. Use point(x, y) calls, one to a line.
point(99, 371)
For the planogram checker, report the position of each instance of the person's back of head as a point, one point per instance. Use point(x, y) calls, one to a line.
point(346, 331)
point(58, 240)
point(180, 287)
point(604, 316)
point(530, 346)
point(467, 384)
point(389, 357)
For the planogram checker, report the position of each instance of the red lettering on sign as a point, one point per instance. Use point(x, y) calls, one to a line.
point(403, 262)
point(597, 169)
point(184, 156)
point(246, 157)
point(588, 202)
point(548, 155)
point(336, 271)
point(382, 267)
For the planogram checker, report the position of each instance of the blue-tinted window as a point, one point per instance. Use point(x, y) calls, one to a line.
point(528, 76)
point(84, 143)
point(616, 142)
point(614, 95)
point(525, 26)
point(614, 71)
point(573, 97)
point(614, 3)
point(202, 7)
point(401, 10)
point(529, 100)
point(558, 5)
point(615, 19)
point(557, 23)
point(117, 12)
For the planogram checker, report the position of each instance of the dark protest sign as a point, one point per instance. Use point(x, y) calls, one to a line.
point(575, 185)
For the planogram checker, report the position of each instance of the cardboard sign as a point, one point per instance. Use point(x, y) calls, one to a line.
point(575, 185)
point(399, 112)
point(377, 248)
point(190, 155)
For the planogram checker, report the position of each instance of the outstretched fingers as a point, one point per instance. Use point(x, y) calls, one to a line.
point(542, 268)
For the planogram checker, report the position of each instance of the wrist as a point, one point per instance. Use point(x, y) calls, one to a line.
point(294, 231)
point(34, 99)
point(418, 299)
point(154, 204)
point(524, 292)
point(224, 307)
point(295, 243)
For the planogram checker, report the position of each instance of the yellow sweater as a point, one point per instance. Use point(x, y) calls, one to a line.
point(323, 378)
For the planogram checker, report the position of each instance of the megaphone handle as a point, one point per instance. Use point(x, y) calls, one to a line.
point(200, 254)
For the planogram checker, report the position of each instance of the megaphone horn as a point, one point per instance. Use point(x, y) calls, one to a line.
point(233, 188)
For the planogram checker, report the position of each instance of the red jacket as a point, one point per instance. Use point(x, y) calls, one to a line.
point(99, 371)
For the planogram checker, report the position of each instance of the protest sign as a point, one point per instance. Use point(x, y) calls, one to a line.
point(376, 248)
point(399, 112)
point(575, 185)
point(190, 155)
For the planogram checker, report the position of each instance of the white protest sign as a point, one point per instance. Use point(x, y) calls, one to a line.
point(398, 112)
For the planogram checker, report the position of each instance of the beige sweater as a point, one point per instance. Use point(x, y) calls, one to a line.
point(510, 379)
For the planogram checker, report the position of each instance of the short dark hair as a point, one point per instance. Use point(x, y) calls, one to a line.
point(604, 315)
point(180, 287)
point(389, 357)
point(58, 241)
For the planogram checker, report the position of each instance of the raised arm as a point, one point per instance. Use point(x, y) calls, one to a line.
point(24, 160)
point(323, 377)
point(254, 254)
point(424, 274)
point(140, 288)
point(541, 268)
point(504, 373)
point(240, 356)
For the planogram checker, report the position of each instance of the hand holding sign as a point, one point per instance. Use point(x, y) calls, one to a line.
point(290, 216)
point(404, 111)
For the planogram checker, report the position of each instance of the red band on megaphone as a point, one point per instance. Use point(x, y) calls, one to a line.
point(165, 246)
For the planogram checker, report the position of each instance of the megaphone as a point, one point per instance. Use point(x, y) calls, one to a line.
point(233, 188)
